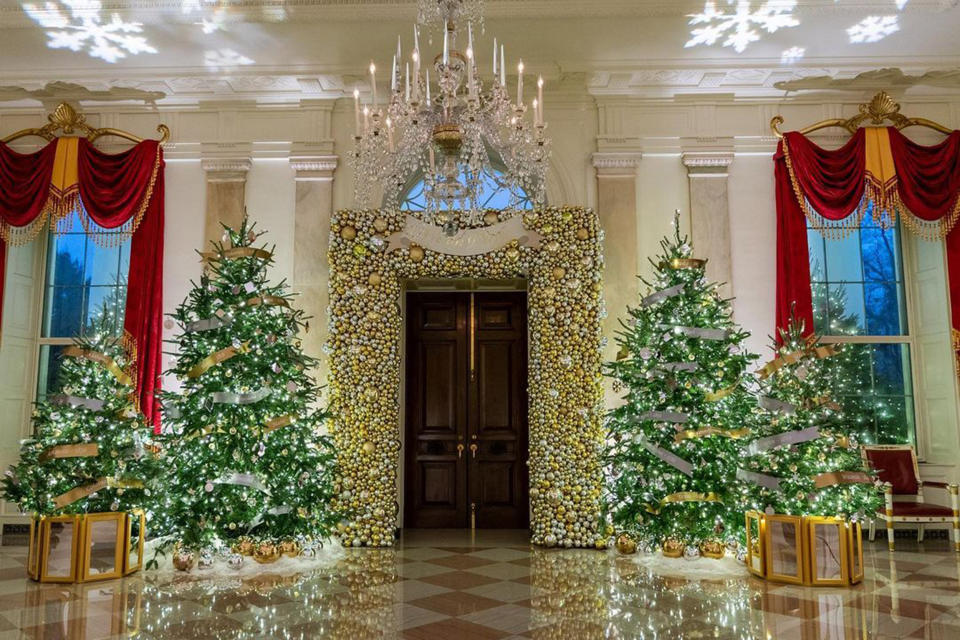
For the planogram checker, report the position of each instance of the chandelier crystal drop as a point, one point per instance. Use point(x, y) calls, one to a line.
point(439, 122)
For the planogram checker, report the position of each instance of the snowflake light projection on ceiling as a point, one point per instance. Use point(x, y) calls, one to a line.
point(77, 25)
point(741, 23)
point(873, 28)
point(791, 55)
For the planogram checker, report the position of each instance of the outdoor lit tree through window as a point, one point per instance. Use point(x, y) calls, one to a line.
point(859, 300)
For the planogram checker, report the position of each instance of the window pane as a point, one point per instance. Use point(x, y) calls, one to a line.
point(880, 251)
point(846, 309)
point(83, 279)
point(821, 315)
point(818, 262)
point(491, 195)
point(62, 312)
point(885, 313)
point(48, 378)
point(875, 390)
point(65, 265)
point(102, 264)
point(843, 259)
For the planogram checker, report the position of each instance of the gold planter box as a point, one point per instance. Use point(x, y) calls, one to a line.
point(86, 547)
point(807, 550)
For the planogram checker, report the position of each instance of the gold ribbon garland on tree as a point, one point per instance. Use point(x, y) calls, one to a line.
point(78, 493)
point(216, 358)
point(101, 358)
point(682, 496)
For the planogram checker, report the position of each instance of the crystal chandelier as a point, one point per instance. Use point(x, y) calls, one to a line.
point(443, 125)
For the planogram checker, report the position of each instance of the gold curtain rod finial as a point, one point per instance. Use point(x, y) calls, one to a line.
point(68, 120)
point(880, 109)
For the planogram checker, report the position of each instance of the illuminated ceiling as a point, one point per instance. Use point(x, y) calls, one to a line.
point(281, 50)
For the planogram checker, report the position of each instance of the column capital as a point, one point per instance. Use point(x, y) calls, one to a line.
point(707, 163)
point(226, 169)
point(314, 167)
point(616, 164)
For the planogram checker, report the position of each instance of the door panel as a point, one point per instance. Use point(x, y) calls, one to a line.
point(466, 377)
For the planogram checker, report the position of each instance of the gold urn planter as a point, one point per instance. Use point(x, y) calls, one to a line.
point(808, 550)
point(86, 547)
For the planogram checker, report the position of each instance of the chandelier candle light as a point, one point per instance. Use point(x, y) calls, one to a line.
point(456, 135)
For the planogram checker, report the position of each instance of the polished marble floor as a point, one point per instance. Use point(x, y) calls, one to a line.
point(451, 585)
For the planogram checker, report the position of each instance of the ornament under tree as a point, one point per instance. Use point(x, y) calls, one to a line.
point(674, 443)
point(91, 451)
point(254, 472)
point(803, 459)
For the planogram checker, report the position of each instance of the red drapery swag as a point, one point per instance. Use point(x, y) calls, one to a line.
point(879, 172)
point(117, 192)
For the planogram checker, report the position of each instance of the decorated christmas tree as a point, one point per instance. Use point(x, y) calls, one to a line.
point(674, 443)
point(91, 450)
point(803, 459)
point(251, 460)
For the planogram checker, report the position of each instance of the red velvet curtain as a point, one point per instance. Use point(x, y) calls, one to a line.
point(127, 188)
point(24, 185)
point(122, 190)
point(831, 184)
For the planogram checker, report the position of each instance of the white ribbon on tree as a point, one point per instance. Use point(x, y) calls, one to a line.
point(777, 406)
point(273, 511)
point(698, 332)
point(208, 324)
point(669, 457)
point(466, 242)
point(761, 445)
point(672, 367)
point(93, 404)
point(664, 416)
point(761, 479)
point(229, 397)
point(242, 479)
point(660, 296)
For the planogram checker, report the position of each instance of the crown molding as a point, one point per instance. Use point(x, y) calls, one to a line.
point(707, 163)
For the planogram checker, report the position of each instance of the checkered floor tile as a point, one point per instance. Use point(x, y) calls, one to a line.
point(454, 585)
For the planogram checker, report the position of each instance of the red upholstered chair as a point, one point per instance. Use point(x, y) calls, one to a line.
point(896, 466)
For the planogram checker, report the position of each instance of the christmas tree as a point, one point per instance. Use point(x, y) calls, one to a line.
point(250, 458)
point(674, 443)
point(91, 450)
point(804, 460)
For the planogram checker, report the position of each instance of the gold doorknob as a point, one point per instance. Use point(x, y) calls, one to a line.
point(473, 449)
point(459, 450)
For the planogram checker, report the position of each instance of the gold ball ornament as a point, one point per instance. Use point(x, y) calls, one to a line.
point(559, 272)
point(380, 225)
point(600, 544)
point(289, 548)
point(583, 233)
point(491, 218)
point(348, 233)
point(266, 552)
point(512, 253)
point(244, 547)
point(626, 544)
point(416, 253)
point(374, 279)
point(673, 549)
point(183, 560)
point(368, 447)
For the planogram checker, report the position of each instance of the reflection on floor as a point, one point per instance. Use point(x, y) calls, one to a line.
point(446, 584)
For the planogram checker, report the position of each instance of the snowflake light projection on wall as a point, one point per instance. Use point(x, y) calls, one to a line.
point(791, 55)
point(741, 23)
point(77, 25)
point(873, 28)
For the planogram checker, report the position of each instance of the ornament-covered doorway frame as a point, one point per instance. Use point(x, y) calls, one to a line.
point(565, 393)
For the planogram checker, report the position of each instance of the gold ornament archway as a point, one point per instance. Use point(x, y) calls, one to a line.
point(367, 275)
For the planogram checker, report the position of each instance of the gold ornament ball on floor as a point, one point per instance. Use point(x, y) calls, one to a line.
point(626, 544)
point(183, 560)
point(266, 552)
point(290, 548)
point(673, 549)
point(712, 549)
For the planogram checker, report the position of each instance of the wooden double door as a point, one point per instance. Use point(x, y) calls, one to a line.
point(466, 410)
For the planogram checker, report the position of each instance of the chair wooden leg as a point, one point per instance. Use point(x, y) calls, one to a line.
point(873, 530)
point(888, 506)
point(919, 533)
point(955, 505)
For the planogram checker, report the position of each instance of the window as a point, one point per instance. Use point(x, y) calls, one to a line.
point(84, 291)
point(493, 194)
point(859, 299)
